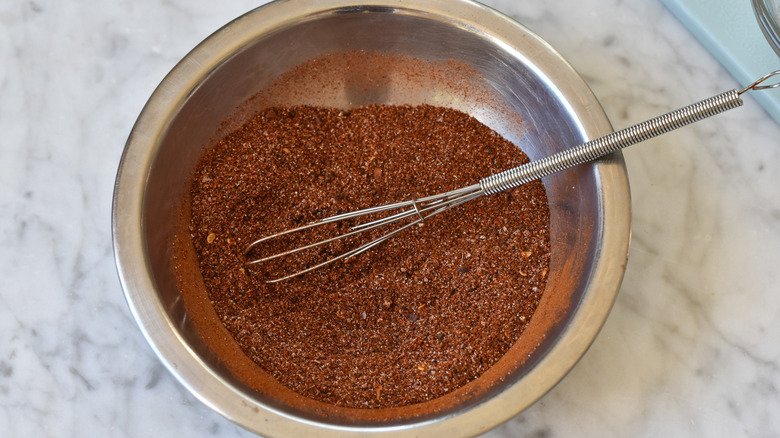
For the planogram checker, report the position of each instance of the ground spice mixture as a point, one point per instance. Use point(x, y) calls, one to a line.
point(411, 320)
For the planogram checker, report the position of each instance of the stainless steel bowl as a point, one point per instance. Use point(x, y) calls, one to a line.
point(768, 16)
point(527, 92)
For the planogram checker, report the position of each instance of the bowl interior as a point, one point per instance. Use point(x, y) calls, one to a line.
point(466, 57)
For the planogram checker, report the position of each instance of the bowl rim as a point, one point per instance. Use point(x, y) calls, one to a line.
point(767, 20)
point(190, 370)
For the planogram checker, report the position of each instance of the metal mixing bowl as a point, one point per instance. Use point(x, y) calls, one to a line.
point(768, 16)
point(524, 90)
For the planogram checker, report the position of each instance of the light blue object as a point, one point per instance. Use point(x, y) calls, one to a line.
point(729, 30)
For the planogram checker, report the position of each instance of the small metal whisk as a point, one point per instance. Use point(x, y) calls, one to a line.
point(427, 207)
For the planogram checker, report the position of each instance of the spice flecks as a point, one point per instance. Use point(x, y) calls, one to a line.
point(444, 301)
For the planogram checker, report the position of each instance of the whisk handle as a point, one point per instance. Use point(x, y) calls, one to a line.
point(612, 142)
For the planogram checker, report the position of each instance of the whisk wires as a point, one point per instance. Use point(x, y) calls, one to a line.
point(419, 209)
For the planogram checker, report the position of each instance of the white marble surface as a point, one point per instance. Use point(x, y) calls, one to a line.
point(692, 347)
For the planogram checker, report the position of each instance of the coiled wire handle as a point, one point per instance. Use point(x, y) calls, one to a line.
point(615, 141)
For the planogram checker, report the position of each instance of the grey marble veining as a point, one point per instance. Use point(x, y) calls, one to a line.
point(690, 349)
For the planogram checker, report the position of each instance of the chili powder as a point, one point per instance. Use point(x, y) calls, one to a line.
point(412, 319)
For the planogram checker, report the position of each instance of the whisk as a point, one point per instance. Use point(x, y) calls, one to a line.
point(423, 208)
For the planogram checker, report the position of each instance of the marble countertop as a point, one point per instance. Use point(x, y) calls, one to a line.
point(691, 348)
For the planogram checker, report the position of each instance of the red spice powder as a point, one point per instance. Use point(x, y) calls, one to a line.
point(414, 318)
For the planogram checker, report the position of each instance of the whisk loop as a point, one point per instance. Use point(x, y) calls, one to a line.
point(424, 208)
